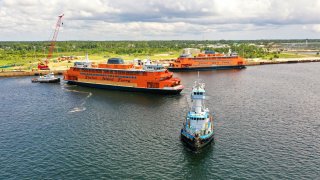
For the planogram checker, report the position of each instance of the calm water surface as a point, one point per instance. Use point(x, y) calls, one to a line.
point(267, 126)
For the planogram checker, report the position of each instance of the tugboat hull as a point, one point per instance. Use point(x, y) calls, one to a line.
point(35, 80)
point(194, 143)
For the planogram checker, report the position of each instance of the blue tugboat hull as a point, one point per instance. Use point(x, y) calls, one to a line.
point(191, 142)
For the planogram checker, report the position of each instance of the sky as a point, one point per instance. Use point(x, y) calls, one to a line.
point(34, 20)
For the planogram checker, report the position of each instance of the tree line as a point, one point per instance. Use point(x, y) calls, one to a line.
point(23, 52)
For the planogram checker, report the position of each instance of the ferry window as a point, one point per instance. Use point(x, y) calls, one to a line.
point(115, 61)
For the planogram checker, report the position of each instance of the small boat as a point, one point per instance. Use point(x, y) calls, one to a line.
point(197, 130)
point(49, 78)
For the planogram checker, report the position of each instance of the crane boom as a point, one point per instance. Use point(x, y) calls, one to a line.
point(54, 38)
point(44, 66)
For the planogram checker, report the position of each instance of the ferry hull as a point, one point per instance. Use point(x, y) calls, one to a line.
point(191, 143)
point(207, 68)
point(131, 89)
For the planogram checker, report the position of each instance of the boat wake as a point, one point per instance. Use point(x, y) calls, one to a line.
point(77, 109)
point(81, 107)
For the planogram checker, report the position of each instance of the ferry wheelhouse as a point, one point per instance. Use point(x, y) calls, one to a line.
point(197, 129)
point(209, 60)
point(116, 75)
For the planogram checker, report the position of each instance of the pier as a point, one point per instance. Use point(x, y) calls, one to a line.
point(256, 61)
point(7, 73)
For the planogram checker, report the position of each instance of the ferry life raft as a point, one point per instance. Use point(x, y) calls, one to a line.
point(49, 78)
point(116, 75)
point(198, 129)
point(209, 60)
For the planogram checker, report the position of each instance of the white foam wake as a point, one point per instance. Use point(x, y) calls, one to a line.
point(81, 107)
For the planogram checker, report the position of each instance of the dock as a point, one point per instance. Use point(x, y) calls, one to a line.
point(257, 61)
point(7, 73)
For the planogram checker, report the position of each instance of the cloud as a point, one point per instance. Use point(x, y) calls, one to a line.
point(316, 28)
point(156, 19)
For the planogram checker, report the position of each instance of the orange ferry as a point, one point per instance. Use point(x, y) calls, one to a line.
point(207, 61)
point(116, 75)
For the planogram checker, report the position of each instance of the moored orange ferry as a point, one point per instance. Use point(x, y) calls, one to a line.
point(116, 75)
point(207, 61)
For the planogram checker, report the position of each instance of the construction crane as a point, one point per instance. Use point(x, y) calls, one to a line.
point(44, 66)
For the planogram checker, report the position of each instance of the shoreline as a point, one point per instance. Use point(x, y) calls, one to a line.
point(255, 62)
point(250, 62)
point(29, 73)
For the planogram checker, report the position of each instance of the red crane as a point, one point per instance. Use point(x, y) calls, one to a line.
point(44, 66)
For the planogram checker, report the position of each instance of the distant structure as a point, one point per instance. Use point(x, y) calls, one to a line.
point(191, 51)
point(306, 42)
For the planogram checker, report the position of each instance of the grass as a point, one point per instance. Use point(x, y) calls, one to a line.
point(286, 55)
point(29, 62)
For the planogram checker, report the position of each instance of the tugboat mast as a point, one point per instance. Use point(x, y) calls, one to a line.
point(198, 97)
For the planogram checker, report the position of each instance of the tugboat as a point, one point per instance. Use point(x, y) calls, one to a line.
point(197, 130)
point(49, 78)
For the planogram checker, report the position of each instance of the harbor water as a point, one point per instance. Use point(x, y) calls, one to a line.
point(267, 126)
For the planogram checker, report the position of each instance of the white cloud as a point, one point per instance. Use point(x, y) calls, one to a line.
point(316, 28)
point(160, 19)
